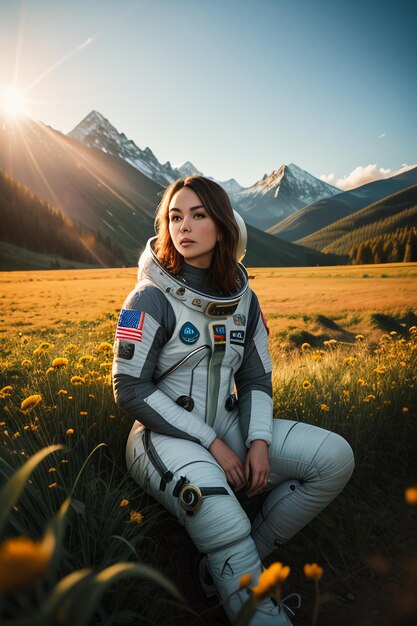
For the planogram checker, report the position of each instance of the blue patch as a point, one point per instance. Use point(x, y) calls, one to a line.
point(189, 333)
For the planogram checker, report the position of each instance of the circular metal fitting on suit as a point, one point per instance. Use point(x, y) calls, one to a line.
point(190, 498)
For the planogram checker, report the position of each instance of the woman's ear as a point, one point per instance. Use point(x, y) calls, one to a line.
point(219, 235)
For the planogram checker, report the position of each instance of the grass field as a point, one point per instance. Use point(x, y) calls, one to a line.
point(344, 346)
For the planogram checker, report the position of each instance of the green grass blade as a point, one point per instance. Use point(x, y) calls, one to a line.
point(100, 445)
point(95, 587)
point(61, 592)
point(13, 488)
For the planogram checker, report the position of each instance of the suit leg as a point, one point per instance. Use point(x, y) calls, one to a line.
point(309, 467)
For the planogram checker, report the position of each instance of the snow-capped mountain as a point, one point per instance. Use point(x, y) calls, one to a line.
point(280, 194)
point(188, 169)
point(96, 131)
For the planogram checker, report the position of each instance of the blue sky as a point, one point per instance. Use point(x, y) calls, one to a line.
point(236, 87)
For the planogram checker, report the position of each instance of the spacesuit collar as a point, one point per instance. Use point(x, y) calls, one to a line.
point(212, 306)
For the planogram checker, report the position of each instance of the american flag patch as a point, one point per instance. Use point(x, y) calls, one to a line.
point(130, 324)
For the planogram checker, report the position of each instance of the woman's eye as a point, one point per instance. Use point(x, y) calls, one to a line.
point(199, 215)
point(174, 218)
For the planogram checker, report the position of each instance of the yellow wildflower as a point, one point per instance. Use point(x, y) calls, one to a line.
point(26, 363)
point(77, 380)
point(71, 347)
point(413, 329)
point(62, 392)
point(45, 345)
point(380, 370)
point(52, 469)
point(52, 485)
point(245, 580)
point(405, 409)
point(306, 384)
point(5, 392)
point(316, 356)
point(49, 370)
point(136, 517)
point(63, 461)
point(393, 333)
point(349, 360)
point(70, 432)
point(83, 412)
point(29, 403)
point(362, 382)
point(23, 561)
point(105, 347)
point(369, 397)
point(411, 495)
point(271, 578)
point(105, 364)
point(60, 361)
point(123, 503)
point(85, 358)
point(91, 395)
point(305, 346)
point(25, 339)
point(403, 363)
point(359, 337)
point(313, 571)
point(324, 407)
point(329, 342)
point(345, 392)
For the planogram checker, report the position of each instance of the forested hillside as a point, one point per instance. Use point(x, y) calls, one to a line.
point(383, 232)
point(33, 224)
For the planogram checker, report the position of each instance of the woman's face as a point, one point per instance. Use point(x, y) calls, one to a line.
point(193, 232)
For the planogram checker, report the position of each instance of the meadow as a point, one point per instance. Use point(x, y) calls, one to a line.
point(77, 532)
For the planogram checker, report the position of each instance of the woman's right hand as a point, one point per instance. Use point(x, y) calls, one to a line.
point(230, 462)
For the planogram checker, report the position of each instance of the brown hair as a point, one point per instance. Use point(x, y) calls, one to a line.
point(217, 204)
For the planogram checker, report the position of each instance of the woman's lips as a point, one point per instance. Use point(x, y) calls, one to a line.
point(186, 242)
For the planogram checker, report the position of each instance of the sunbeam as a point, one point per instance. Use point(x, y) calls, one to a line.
point(81, 46)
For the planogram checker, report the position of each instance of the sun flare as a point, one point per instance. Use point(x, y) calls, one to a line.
point(13, 102)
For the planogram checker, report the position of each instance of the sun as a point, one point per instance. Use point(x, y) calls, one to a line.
point(13, 102)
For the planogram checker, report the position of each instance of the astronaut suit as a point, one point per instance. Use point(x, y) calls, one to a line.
point(181, 352)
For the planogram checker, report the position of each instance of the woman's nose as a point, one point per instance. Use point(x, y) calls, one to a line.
point(184, 225)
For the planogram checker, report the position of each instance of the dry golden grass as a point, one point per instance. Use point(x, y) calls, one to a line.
point(348, 294)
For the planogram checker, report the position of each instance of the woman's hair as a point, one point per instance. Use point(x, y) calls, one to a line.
point(217, 204)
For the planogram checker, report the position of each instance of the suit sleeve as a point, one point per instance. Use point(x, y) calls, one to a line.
point(150, 323)
point(253, 380)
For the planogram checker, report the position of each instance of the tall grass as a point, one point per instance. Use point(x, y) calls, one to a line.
point(365, 392)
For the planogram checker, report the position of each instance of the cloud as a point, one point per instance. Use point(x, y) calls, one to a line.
point(362, 175)
point(381, 136)
point(327, 178)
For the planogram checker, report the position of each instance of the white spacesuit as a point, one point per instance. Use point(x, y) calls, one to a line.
point(191, 365)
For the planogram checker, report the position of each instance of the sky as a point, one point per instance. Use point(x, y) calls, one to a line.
point(237, 87)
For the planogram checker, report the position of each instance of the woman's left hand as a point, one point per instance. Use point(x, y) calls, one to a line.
point(257, 466)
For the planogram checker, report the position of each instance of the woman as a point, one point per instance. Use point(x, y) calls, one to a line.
point(189, 335)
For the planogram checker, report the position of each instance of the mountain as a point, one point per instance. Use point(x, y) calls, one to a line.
point(32, 224)
point(96, 131)
point(384, 217)
point(188, 169)
point(106, 196)
point(328, 210)
point(93, 189)
point(280, 194)
point(265, 250)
